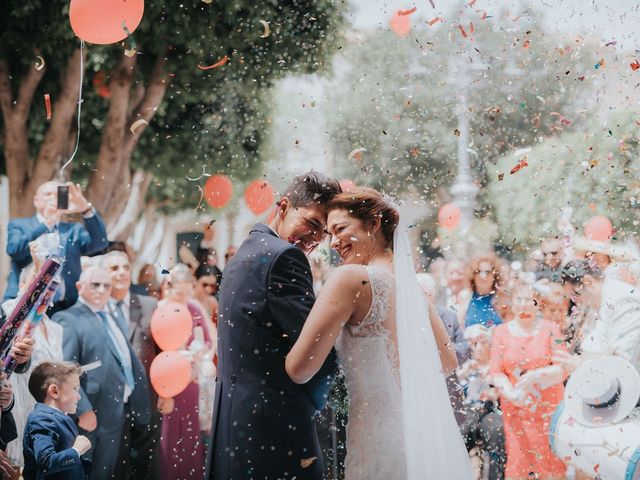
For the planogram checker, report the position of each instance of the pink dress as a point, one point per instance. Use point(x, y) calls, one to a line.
point(526, 429)
point(181, 446)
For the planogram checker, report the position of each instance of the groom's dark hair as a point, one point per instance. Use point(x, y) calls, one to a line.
point(312, 188)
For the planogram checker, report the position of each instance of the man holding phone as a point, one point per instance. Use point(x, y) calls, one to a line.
point(72, 239)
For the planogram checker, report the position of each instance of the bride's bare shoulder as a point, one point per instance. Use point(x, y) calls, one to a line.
point(349, 276)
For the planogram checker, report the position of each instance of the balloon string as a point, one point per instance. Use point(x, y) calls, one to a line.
point(79, 107)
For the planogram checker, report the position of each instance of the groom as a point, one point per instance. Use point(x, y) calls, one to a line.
point(263, 423)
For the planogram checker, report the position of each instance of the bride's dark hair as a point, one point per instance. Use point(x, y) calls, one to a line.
point(365, 204)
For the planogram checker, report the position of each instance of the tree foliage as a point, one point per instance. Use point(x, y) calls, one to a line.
point(196, 118)
point(400, 98)
point(593, 172)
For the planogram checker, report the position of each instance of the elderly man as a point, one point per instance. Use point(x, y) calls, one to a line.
point(72, 239)
point(115, 389)
point(553, 252)
point(133, 313)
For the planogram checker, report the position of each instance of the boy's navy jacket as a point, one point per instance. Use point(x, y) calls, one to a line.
point(48, 437)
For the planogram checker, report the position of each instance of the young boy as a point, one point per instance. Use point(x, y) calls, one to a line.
point(52, 447)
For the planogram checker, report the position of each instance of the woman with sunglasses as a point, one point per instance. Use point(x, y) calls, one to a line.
point(483, 277)
point(205, 289)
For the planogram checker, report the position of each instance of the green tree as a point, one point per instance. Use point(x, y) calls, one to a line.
point(593, 173)
point(194, 117)
point(400, 97)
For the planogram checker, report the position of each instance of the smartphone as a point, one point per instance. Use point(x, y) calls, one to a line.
point(63, 197)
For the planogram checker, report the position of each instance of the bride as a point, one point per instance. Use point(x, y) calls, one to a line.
point(393, 348)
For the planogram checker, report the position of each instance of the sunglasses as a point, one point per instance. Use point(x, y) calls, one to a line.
point(97, 285)
point(485, 272)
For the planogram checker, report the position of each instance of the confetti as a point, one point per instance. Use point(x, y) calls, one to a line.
point(500, 177)
point(200, 201)
point(219, 63)
point(434, 21)
point(40, 63)
point(562, 120)
point(483, 14)
point(432, 3)
point(356, 154)
point(635, 66)
point(611, 43)
point(137, 123)
point(457, 132)
point(131, 51)
point(464, 34)
point(526, 43)
point(208, 2)
point(204, 174)
point(266, 30)
point(165, 271)
point(404, 13)
point(47, 105)
point(520, 165)
point(307, 462)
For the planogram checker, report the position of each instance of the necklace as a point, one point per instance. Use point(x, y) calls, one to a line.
point(517, 331)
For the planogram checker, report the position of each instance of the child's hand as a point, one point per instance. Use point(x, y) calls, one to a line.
point(7, 469)
point(22, 349)
point(82, 444)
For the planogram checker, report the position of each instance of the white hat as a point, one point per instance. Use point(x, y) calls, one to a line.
point(602, 391)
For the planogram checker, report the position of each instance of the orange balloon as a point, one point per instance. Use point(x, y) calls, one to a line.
point(103, 21)
point(171, 325)
point(218, 191)
point(400, 24)
point(259, 196)
point(598, 228)
point(170, 374)
point(348, 186)
point(449, 216)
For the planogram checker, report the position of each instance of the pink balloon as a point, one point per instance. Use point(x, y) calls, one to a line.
point(400, 24)
point(170, 374)
point(102, 21)
point(171, 325)
point(598, 228)
point(449, 216)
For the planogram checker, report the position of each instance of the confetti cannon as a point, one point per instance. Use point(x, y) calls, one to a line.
point(597, 426)
point(29, 310)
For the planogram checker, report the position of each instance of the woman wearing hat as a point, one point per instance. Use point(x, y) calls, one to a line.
point(530, 387)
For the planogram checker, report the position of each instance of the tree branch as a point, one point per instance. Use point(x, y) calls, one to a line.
point(64, 110)
point(158, 84)
point(5, 92)
point(28, 87)
point(109, 164)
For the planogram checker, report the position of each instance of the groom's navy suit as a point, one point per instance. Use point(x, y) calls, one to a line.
point(263, 423)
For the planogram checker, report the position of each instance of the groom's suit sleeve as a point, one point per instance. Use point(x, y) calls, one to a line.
point(291, 297)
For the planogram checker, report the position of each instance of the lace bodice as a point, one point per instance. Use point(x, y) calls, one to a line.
point(368, 356)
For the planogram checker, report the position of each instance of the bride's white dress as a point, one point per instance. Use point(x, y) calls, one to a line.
point(368, 355)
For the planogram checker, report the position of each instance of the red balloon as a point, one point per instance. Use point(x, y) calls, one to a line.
point(218, 191)
point(449, 216)
point(170, 374)
point(598, 228)
point(171, 325)
point(103, 21)
point(348, 186)
point(400, 24)
point(259, 196)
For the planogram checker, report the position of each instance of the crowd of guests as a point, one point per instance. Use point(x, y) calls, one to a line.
point(522, 329)
point(519, 331)
point(82, 390)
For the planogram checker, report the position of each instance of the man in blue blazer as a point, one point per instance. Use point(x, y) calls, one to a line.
point(263, 423)
point(115, 390)
point(74, 239)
